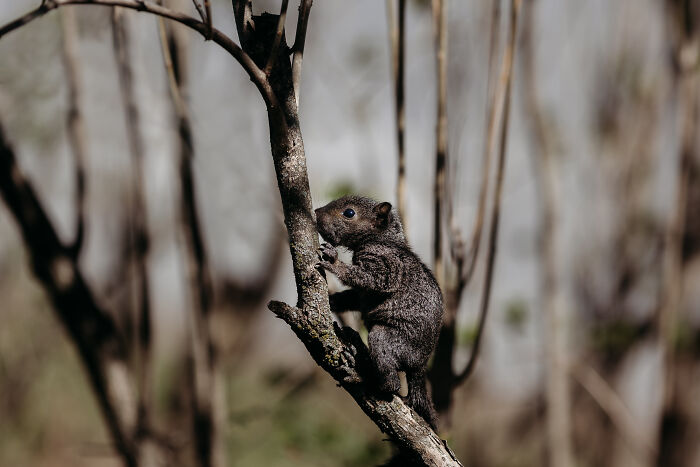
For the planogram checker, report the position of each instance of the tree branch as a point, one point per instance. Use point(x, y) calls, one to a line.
point(99, 344)
point(278, 37)
point(440, 29)
point(502, 113)
point(397, 34)
point(298, 48)
point(76, 128)
point(137, 212)
point(256, 74)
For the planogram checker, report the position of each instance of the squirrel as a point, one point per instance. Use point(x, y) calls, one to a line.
point(398, 296)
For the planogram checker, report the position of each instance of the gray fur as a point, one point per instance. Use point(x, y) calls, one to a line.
point(398, 296)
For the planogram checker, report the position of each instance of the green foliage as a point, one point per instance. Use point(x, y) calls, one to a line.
point(615, 337)
point(467, 335)
point(340, 188)
point(516, 314)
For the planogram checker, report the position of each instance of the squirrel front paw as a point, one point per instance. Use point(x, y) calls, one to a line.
point(328, 253)
point(328, 258)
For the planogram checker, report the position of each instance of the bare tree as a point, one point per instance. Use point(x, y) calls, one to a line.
point(264, 55)
point(444, 379)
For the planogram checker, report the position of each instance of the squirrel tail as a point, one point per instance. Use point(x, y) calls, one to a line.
point(419, 399)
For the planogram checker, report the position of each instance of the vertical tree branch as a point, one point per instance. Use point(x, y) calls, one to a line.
point(440, 28)
point(76, 128)
point(558, 392)
point(142, 308)
point(278, 37)
point(683, 17)
point(397, 36)
point(298, 48)
point(442, 374)
point(501, 115)
point(469, 264)
point(206, 404)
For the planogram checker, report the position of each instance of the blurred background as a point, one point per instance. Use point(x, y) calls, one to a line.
point(591, 348)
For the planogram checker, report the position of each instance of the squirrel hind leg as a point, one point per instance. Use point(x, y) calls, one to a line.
point(419, 399)
point(386, 364)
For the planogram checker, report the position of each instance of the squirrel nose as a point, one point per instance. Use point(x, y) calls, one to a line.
point(316, 211)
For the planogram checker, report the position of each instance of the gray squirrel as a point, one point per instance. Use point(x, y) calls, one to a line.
point(398, 296)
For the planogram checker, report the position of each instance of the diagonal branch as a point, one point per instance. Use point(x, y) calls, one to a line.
point(255, 73)
point(99, 344)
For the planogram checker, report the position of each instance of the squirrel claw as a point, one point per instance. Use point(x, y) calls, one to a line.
point(328, 252)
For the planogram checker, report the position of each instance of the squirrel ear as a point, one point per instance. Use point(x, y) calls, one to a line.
point(383, 211)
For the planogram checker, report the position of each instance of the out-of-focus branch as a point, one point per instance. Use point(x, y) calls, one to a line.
point(442, 375)
point(501, 116)
point(614, 407)
point(210, 27)
point(397, 36)
point(76, 128)
point(298, 47)
point(137, 212)
point(255, 73)
point(440, 28)
point(197, 6)
point(683, 16)
point(558, 393)
point(99, 344)
point(206, 411)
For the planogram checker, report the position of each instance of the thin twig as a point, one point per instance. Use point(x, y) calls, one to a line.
point(76, 126)
point(200, 11)
point(210, 27)
point(298, 48)
point(256, 74)
point(440, 28)
point(502, 110)
point(468, 262)
point(397, 36)
point(278, 38)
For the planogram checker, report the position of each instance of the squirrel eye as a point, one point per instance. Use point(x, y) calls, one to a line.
point(349, 213)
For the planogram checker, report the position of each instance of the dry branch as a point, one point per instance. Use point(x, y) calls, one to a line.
point(101, 347)
point(397, 36)
point(137, 215)
point(440, 28)
point(298, 48)
point(501, 116)
point(204, 379)
point(442, 375)
point(256, 74)
point(76, 126)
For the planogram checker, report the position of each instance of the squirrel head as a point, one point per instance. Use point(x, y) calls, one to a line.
point(351, 221)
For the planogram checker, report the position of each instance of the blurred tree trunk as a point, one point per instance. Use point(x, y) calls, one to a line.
point(558, 391)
